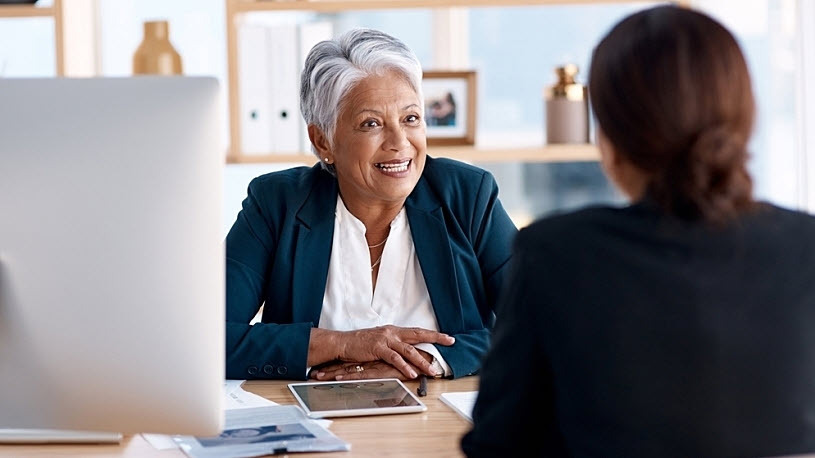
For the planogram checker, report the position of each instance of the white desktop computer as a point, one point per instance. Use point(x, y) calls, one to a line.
point(111, 255)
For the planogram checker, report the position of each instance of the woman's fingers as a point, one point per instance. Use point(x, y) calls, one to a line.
point(395, 359)
point(336, 371)
point(331, 373)
point(358, 345)
point(370, 370)
point(320, 373)
point(392, 344)
point(393, 373)
point(421, 335)
point(414, 358)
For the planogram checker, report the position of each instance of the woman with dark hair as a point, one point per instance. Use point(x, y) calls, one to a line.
point(680, 325)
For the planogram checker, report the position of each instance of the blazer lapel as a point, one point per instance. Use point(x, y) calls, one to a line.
point(312, 253)
point(435, 256)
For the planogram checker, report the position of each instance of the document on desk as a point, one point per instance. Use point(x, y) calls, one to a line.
point(462, 402)
point(235, 397)
point(261, 431)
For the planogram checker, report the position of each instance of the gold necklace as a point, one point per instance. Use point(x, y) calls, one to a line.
point(380, 243)
point(376, 263)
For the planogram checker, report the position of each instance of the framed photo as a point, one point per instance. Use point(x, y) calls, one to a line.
point(449, 107)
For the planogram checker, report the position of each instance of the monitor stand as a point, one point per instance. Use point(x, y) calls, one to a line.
point(57, 436)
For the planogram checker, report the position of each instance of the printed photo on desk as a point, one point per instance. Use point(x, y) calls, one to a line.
point(260, 431)
point(449, 107)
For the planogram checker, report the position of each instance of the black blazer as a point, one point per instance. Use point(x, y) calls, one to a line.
point(628, 333)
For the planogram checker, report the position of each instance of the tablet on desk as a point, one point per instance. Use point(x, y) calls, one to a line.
point(355, 397)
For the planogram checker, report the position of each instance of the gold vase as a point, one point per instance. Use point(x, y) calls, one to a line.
point(567, 108)
point(156, 55)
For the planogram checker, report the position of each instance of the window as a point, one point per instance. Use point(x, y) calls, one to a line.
point(515, 51)
point(767, 32)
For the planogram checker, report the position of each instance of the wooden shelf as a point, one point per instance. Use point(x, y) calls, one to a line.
point(345, 5)
point(237, 8)
point(549, 153)
point(25, 11)
point(295, 158)
point(54, 12)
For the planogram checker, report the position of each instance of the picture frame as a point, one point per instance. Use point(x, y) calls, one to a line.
point(450, 107)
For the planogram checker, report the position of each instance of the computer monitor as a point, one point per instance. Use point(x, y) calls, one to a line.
point(111, 255)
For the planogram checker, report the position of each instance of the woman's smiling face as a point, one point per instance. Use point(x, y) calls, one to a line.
point(379, 142)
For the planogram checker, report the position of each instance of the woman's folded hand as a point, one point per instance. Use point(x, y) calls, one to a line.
point(343, 370)
point(357, 371)
point(390, 344)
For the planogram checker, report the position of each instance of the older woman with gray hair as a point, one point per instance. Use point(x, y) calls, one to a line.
point(377, 262)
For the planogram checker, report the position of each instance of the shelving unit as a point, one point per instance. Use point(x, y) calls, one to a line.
point(333, 6)
point(235, 8)
point(55, 12)
point(550, 153)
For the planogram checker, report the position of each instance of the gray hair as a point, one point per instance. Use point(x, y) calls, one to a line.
point(334, 67)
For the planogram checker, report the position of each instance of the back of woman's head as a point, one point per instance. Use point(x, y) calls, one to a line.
point(672, 93)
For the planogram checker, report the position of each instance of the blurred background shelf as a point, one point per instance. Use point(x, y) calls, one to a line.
point(517, 41)
point(237, 9)
point(7, 10)
point(345, 5)
point(549, 153)
point(54, 11)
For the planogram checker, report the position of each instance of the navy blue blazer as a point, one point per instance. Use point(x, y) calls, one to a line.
point(278, 252)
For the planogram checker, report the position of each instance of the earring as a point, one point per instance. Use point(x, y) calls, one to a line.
point(327, 161)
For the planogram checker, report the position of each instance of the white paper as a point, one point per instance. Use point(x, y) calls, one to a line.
point(235, 397)
point(160, 441)
point(462, 402)
point(323, 422)
point(261, 431)
point(232, 385)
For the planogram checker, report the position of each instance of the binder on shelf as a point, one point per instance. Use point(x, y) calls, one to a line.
point(285, 89)
point(309, 34)
point(254, 94)
point(271, 58)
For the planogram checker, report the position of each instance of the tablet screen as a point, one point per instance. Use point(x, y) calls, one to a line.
point(357, 397)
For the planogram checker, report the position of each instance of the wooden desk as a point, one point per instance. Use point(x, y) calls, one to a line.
point(433, 433)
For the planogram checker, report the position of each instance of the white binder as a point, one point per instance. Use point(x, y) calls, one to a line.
point(310, 33)
point(285, 89)
point(254, 94)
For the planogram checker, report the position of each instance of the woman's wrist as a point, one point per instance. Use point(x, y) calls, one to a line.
point(322, 346)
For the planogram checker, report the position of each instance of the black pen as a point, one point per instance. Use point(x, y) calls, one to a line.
point(422, 390)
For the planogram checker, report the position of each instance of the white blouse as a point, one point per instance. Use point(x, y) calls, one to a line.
point(401, 296)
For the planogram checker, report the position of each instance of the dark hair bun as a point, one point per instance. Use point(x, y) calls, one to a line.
point(671, 91)
point(709, 180)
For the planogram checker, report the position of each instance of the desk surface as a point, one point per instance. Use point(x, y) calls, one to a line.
point(435, 432)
